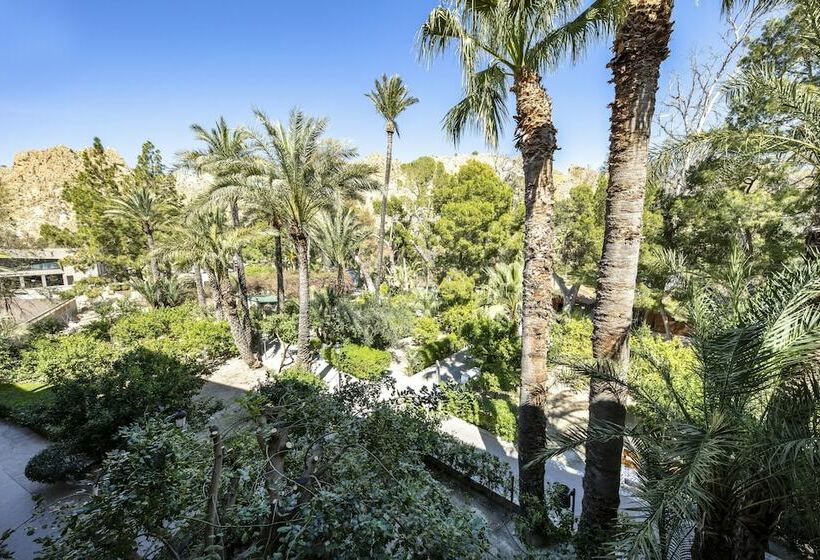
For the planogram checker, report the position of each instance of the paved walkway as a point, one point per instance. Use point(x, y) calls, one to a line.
point(566, 406)
point(17, 493)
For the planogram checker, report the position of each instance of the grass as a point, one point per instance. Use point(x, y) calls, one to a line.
point(16, 396)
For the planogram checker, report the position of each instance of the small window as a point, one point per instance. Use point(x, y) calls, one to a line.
point(69, 280)
point(33, 281)
point(54, 280)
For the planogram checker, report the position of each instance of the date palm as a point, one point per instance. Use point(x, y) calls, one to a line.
point(390, 97)
point(148, 210)
point(310, 175)
point(719, 467)
point(207, 240)
point(339, 233)
point(223, 156)
point(505, 45)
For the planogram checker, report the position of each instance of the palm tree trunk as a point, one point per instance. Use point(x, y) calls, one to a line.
point(219, 308)
point(225, 295)
point(535, 138)
point(387, 164)
point(368, 280)
point(200, 287)
point(303, 340)
point(641, 45)
point(241, 279)
point(340, 277)
point(149, 239)
point(280, 272)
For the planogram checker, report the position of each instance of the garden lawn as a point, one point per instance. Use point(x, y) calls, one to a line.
point(15, 396)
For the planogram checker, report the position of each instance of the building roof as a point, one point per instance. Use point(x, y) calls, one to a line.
point(46, 253)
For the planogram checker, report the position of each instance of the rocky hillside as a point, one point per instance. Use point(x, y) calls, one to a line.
point(33, 187)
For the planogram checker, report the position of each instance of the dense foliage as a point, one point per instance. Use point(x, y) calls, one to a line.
point(367, 492)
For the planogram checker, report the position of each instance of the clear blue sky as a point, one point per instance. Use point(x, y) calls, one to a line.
point(128, 71)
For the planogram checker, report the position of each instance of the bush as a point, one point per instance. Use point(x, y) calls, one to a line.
point(63, 358)
point(138, 326)
point(455, 318)
point(283, 326)
point(382, 324)
point(48, 325)
point(456, 289)
point(499, 417)
point(425, 356)
point(361, 361)
point(571, 340)
point(57, 463)
point(202, 339)
point(496, 415)
point(496, 346)
point(425, 330)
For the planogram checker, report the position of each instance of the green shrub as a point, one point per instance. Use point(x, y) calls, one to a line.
point(283, 326)
point(425, 356)
point(456, 289)
point(425, 330)
point(382, 324)
point(57, 463)
point(496, 415)
point(496, 347)
point(361, 361)
point(455, 318)
point(9, 357)
point(571, 340)
point(48, 325)
point(64, 357)
point(499, 417)
point(138, 326)
point(673, 356)
point(203, 339)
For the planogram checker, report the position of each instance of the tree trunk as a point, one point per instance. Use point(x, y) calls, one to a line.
point(667, 333)
point(241, 279)
point(155, 273)
point(238, 331)
point(535, 138)
point(641, 44)
point(383, 217)
point(340, 278)
point(280, 272)
point(303, 341)
point(213, 489)
point(200, 287)
point(368, 280)
point(219, 308)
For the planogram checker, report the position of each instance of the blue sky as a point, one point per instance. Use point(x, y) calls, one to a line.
point(131, 71)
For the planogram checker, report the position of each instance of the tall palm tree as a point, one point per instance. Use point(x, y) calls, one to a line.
point(310, 175)
point(339, 233)
point(205, 239)
point(263, 203)
point(641, 45)
point(223, 158)
point(147, 209)
point(504, 288)
point(390, 97)
point(509, 42)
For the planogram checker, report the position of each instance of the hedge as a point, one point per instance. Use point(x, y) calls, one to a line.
point(361, 361)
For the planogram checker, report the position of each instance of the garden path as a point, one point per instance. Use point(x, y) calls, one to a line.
point(17, 493)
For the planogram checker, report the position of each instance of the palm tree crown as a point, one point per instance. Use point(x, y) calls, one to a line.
point(391, 97)
point(501, 40)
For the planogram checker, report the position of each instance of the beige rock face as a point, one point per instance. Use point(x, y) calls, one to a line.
point(34, 187)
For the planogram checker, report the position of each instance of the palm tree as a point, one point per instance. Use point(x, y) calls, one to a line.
point(339, 233)
point(148, 210)
point(641, 45)
point(205, 239)
point(503, 288)
point(718, 468)
point(310, 176)
point(499, 42)
point(223, 158)
point(390, 97)
point(263, 203)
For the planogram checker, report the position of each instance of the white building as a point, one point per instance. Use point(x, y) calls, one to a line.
point(32, 269)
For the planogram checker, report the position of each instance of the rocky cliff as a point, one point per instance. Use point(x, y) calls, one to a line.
point(33, 188)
